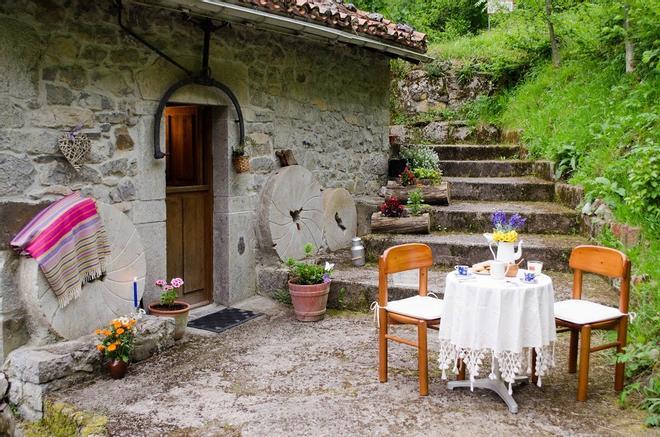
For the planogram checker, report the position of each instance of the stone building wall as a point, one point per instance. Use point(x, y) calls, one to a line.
point(67, 63)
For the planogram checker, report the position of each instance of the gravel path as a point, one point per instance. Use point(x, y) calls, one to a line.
point(276, 376)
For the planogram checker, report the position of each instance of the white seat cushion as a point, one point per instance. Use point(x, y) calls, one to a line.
point(583, 312)
point(419, 307)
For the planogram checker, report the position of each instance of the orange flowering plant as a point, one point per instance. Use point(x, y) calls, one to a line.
point(117, 339)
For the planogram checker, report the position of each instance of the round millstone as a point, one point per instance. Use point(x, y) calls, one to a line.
point(101, 300)
point(291, 212)
point(339, 218)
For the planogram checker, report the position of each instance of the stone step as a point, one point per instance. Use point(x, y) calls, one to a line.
point(496, 168)
point(355, 288)
point(450, 249)
point(477, 151)
point(471, 216)
point(528, 188)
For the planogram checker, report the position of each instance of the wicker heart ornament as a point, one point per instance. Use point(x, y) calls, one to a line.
point(75, 147)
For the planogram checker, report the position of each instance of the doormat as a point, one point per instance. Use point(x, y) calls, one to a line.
point(224, 319)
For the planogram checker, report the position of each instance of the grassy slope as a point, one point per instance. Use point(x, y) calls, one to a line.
point(602, 126)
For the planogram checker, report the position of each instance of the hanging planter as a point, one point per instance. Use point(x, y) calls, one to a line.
point(240, 160)
point(241, 163)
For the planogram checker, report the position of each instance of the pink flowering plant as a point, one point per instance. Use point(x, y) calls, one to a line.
point(168, 291)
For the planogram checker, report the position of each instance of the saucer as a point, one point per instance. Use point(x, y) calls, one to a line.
point(465, 277)
point(533, 281)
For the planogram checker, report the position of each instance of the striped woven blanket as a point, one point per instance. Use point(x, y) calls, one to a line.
point(69, 242)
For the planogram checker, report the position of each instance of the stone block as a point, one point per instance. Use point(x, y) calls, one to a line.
point(75, 76)
point(569, 195)
point(234, 257)
point(61, 172)
point(119, 167)
point(30, 141)
point(155, 334)
point(42, 364)
point(61, 116)
point(11, 116)
point(365, 207)
point(95, 101)
point(13, 216)
point(269, 280)
point(397, 134)
point(16, 173)
point(123, 140)
point(628, 235)
point(20, 53)
point(148, 211)
point(154, 239)
point(124, 191)
point(58, 95)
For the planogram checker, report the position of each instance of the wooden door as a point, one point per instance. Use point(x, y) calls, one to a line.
point(189, 201)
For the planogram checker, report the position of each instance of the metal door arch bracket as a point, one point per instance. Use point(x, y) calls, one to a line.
point(203, 78)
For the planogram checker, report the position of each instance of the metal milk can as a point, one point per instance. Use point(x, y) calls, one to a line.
point(357, 252)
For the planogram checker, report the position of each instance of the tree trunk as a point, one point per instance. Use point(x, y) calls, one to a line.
point(432, 194)
point(420, 224)
point(630, 47)
point(554, 44)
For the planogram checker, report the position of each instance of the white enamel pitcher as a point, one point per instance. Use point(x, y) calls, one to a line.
point(506, 252)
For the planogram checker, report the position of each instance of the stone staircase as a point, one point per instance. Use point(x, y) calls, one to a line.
point(482, 179)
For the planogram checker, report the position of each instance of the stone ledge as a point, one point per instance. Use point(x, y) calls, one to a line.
point(35, 371)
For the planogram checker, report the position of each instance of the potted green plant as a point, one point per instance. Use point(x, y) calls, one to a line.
point(168, 306)
point(309, 285)
point(116, 345)
point(239, 159)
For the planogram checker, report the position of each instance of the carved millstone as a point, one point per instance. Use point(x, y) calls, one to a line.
point(340, 218)
point(291, 212)
point(101, 300)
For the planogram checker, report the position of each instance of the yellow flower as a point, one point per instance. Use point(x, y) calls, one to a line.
point(105, 332)
point(100, 347)
point(97, 332)
point(120, 331)
point(505, 237)
point(116, 324)
point(112, 347)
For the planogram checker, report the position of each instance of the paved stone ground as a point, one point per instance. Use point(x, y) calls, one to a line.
point(276, 376)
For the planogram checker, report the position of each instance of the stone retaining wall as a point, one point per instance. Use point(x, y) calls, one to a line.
point(67, 63)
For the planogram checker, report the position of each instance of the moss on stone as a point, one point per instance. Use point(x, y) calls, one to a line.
point(62, 419)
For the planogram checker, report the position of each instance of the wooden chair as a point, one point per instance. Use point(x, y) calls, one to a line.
point(580, 317)
point(422, 311)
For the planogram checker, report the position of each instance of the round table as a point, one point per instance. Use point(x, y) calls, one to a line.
point(507, 318)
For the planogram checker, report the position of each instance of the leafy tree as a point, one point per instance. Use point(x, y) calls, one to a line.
point(440, 19)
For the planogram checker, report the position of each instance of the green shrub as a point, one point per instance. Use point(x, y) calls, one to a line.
point(304, 273)
point(415, 202)
point(420, 157)
point(433, 175)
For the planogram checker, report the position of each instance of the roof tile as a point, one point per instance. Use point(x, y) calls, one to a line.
point(333, 13)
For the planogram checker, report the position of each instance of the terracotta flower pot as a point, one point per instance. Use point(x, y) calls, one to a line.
point(179, 313)
point(309, 301)
point(241, 163)
point(117, 369)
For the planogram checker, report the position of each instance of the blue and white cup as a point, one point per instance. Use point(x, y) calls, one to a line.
point(461, 270)
point(529, 276)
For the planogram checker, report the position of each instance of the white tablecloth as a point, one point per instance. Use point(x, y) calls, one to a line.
point(506, 318)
